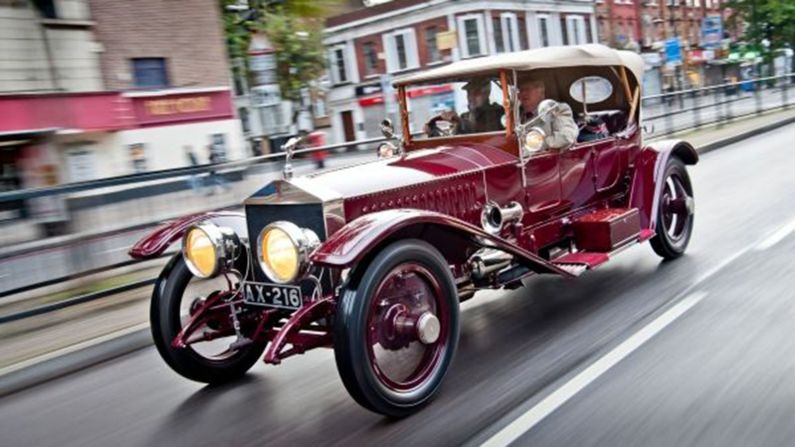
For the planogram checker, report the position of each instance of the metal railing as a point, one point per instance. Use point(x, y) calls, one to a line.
point(667, 113)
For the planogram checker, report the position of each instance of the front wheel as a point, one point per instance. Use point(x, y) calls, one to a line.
point(212, 358)
point(675, 212)
point(396, 329)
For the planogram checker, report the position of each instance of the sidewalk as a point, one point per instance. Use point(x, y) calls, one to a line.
point(38, 337)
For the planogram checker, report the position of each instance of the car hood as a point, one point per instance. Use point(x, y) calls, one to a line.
point(379, 175)
point(416, 167)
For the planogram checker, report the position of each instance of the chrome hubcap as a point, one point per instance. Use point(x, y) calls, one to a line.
point(428, 328)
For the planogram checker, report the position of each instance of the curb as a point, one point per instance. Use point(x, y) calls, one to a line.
point(717, 144)
point(75, 358)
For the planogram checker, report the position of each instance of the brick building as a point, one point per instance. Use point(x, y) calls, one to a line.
point(369, 46)
point(97, 88)
point(641, 23)
point(186, 35)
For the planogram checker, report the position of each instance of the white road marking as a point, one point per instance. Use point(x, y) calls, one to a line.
point(533, 416)
point(777, 236)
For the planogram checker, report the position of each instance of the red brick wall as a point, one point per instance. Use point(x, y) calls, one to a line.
point(188, 33)
point(360, 58)
point(422, 49)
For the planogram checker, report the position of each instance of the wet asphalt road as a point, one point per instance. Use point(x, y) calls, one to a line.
point(721, 374)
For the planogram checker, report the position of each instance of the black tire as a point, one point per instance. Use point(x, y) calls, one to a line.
point(664, 244)
point(164, 316)
point(352, 353)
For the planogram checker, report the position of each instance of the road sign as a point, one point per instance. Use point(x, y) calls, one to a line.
point(673, 51)
point(711, 31)
point(446, 40)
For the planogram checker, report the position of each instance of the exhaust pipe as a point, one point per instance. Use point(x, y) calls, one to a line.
point(487, 261)
point(494, 218)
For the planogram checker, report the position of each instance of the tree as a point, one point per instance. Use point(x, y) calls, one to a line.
point(294, 27)
point(773, 20)
point(300, 54)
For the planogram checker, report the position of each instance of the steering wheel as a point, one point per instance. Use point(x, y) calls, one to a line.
point(439, 127)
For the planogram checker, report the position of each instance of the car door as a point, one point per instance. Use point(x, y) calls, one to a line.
point(609, 163)
point(577, 174)
point(542, 192)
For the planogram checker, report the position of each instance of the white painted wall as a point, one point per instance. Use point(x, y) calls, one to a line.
point(164, 145)
point(23, 60)
point(24, 65)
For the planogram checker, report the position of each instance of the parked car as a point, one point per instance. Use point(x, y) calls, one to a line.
point(372, 260)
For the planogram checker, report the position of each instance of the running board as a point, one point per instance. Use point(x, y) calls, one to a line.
point(577, 263)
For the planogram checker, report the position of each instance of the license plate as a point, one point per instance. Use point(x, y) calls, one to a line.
point(272, 295)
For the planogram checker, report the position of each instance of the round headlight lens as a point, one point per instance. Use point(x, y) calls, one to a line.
point(279, 255)
point(200, 254)
point(386, 150)
point(534, 140)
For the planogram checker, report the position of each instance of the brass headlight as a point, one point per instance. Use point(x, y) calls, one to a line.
point(209, 249)
point(283, 250)
point(533, 140)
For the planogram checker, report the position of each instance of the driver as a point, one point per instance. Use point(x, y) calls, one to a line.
point(482, 115)
point(559, 125)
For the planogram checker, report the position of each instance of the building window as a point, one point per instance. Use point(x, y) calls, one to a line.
point(472, 34)
point(150, 72)
point(543, 30)
point(509, 32)
point(430, 45)
point(339, 70)
point(238, 78)
point(370, 58)
point(522, 26)
point(244, 120)
point(217, 148)
point(499, 42)
point(137, 157)
point(46, 8)
point(401, 50)
point(81, 162)
point(589, 31)
point(575, 31)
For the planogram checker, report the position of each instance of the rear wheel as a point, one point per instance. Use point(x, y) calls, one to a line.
point(675, 212)
point(175, 301)
point(396, 329)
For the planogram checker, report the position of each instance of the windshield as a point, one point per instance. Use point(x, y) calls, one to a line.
point(456, 107)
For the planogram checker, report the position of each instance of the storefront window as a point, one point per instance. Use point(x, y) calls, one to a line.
point(137, 157)
point(217, 148)
point(81, 163)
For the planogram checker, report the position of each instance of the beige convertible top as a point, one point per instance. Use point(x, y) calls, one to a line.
point(547, 57)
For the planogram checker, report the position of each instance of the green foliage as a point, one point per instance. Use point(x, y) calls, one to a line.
point(300, 54)
point(294, 27)
point(773, 20)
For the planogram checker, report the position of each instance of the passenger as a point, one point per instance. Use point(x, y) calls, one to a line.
point(559, 125)
point(482, 116)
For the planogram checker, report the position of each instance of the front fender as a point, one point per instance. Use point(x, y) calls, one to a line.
point(360, 237)
point(156, 242)
point(649, 175)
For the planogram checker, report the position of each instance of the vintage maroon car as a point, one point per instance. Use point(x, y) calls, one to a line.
point(373, 260)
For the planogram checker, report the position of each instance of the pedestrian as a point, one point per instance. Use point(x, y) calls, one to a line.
point(213, 177)
point(194, 181)
point(317, 139)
